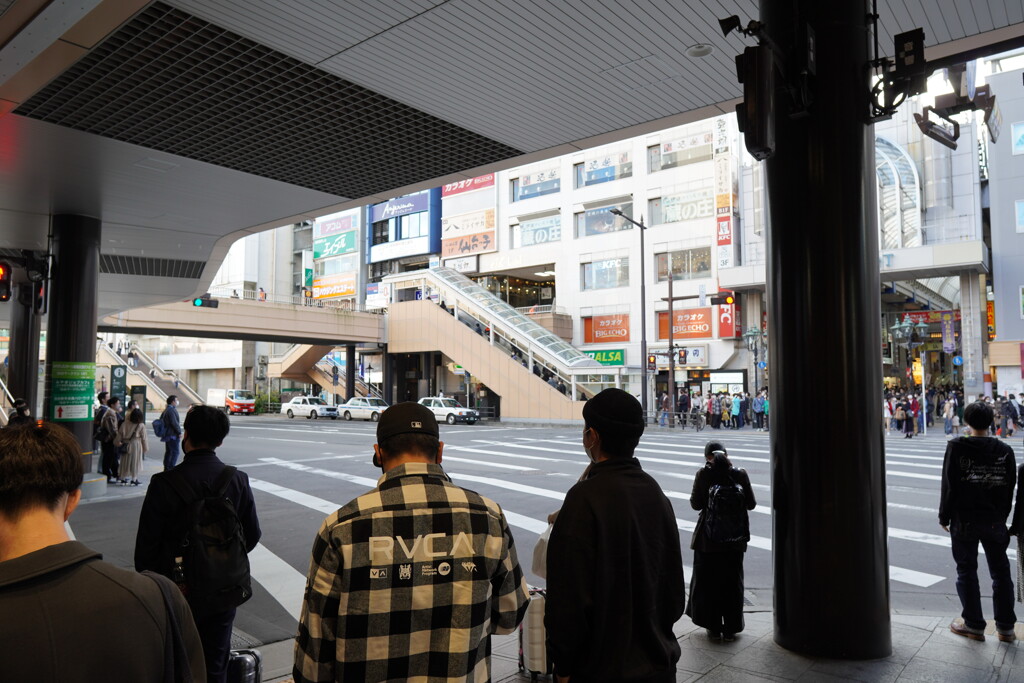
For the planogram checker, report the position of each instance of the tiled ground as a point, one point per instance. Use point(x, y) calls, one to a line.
point(924, 649)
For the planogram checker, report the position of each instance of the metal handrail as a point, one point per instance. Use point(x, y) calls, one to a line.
point(192, 394)
point(477, 303)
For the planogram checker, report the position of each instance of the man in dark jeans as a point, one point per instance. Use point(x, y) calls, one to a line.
point(159, 536)
point(978, 476)
point(172, 432)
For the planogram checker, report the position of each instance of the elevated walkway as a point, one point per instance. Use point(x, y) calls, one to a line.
point(304, 362)
point(251, 320)
point(417, 326)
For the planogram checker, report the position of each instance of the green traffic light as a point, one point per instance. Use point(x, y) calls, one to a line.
point(197, 302)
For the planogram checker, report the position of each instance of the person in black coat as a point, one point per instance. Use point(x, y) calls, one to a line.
point(159, 535)
point(716, 586)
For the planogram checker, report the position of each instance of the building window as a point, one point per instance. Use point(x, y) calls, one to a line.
point(1017, 137)
point(381, 232)
point(687, 264)
point(603, 168)
point(379, 270)
point(413, 225)
point(682, 206)
point(605, 274)
point(689, 148)
point(334, 266)
point(601, 220)
point(536, 184)
point(1019, 212)
point(537, 231)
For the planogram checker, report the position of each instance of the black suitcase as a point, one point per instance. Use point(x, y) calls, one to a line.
point(245, 666)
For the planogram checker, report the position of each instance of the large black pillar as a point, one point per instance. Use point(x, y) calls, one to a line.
point(350, 371)
point(23, 355)
point(828, 484)
point(71, 326)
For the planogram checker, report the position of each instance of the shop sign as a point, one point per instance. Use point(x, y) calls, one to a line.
point(608, 356)
point(330, 286)
point(71, 391)
point(728, 326)
point(378, 295)
point(687, 206)
point(990, 316)
point(469, 244)
point(332, 226)
point(466, 264)
point(399, 207)
point(335, 245)
point(540, 231)
point(392, 250)
point(467, 224)
point(929, 316)
point(468, 185)
point(601, 329)
point(688, 323)
point(687, 142)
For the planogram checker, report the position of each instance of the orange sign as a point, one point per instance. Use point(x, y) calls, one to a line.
point(689, 323)
point(330, 286)
point(602, 329)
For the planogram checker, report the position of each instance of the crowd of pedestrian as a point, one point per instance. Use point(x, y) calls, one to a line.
point(721, 409)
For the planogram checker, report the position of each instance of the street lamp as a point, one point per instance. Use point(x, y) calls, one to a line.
point(756, 341)
point(643, 311)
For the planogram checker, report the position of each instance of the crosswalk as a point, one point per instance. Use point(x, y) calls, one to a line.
point(529, 477)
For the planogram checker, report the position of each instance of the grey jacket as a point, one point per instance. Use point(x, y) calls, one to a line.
point(82, 619)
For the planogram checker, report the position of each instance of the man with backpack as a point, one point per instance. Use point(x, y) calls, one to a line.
point(615, 569)
point(171, 432)
point(202, 498)
point(110, 422)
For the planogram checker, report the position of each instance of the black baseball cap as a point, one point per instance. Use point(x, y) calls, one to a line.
point(406, 418)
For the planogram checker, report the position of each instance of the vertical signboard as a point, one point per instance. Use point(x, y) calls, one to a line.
point(119, 382)
point(948, 333)
point(725, 194)
point(71, 390)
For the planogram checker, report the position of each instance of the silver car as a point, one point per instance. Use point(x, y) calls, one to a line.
point(449, 410)
point(363, 408)
point(311, 407)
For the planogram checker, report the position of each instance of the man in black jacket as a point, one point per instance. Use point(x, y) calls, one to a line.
point(615, 570)
point(172, 432)
point(160, 531)
point(978, 476)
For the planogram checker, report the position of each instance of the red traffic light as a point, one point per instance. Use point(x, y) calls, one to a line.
point(5, 281)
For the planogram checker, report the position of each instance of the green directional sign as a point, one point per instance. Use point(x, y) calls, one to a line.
point(119, 382)
point(335, 245)
point(71, 387)
point(608, 356)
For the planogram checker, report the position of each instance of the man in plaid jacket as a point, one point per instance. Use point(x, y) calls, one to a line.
point(409, 580)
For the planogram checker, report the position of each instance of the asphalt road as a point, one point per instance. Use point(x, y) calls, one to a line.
point(302, 470)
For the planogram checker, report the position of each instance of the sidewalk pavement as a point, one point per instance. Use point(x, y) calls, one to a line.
point(924, 649)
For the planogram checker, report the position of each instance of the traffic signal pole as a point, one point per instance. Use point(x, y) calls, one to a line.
point(671, 348)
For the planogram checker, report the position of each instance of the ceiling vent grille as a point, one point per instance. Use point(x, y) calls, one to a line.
point(169, 81)
point(156, 267)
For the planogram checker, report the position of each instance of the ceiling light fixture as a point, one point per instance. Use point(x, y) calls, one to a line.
point(699, 50)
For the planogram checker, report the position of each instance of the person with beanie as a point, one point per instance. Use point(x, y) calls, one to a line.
point(716, 585)
point(615, 569)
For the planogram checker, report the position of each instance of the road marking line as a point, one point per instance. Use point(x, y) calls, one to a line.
point(285, 584)
point(485, 463)
point(363, 481)
point(895, 573)
point(304, 499)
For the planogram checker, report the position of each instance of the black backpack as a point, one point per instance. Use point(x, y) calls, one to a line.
point(99, 431)
point(726, 519)
point(212, 546)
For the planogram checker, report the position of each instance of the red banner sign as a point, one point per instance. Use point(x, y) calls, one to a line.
point(929, 316)
point(603, 329)
point(689, 323)
point(468, 185)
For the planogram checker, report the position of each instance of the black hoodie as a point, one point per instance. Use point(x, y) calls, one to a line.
point(978, 476)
